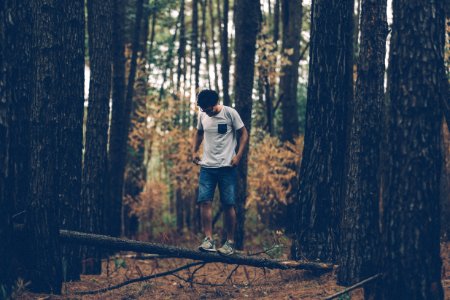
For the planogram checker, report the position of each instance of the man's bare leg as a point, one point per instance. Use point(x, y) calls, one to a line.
point(206, 214)
point(230, 221)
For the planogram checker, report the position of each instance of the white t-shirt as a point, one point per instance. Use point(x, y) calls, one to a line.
point(219, 138)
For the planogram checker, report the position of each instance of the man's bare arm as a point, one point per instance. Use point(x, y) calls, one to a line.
point(196, 142)
point(243, 140)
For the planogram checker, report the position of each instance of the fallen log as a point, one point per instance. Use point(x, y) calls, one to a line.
point(113, 243)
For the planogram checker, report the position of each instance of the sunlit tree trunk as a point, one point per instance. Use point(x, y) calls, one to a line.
point(329, 93)
point(411, 262)
point(360, 238)
point(95, 169)
point(247, 20)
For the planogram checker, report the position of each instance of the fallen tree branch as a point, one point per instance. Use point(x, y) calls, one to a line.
point(171, 272)
point(355, 286)
point(171, 251)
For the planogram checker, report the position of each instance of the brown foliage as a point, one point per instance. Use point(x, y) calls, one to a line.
point(273, 173)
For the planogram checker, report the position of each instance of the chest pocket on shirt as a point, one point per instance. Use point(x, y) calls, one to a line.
point(222, 128)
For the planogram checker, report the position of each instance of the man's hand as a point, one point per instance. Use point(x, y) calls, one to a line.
point(235, 161)
point(195, 159)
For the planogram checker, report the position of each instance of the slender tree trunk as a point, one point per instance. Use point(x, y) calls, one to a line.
point(135, 168)
point(117, 149)
point(292, 27)
point(42, 224)
point(95, 170)
point(247, 20)
point(130, 222)
point(225, 68)
point(204, 42)
point(182, 46)
point(411, 195)
point(70, 135)
point(195, 45)
point(153, 31)
point(360, 214)
point(329, 92)
point(213, 43)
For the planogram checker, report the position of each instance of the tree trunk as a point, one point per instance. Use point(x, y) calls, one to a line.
point(329, 92)
point(42, 222)
point(195, 46)
point(135, 169)
point(130, 221)
point(70, 135)
point(181, 47)
point(247, 17)
point(95, 170)
point(213, 44)
point(170, 251)
point(412, 263)
point(117, 149)
point(6, 250)
point(292, 27)
point(360, 214)
point(225, 67)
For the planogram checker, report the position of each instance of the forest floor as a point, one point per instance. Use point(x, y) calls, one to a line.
point(212, 281)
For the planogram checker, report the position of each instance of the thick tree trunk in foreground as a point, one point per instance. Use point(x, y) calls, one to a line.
point(15, 100)
point(107, 242)
point(292, 27)
point(117, 149)
point(95, 179)
point(412, 263)
point(6, 251)
point(42, 224)
point(329, 92)
point(247, 16)
point(70, 135)
point(360, 214)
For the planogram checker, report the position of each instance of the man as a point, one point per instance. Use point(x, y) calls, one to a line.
point(218, 126)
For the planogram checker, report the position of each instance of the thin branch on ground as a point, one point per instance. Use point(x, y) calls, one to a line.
point(231, 274)
point(171, 272)
point(196, 282)
point(355, 286)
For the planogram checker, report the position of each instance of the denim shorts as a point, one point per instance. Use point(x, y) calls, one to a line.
point(225, 177)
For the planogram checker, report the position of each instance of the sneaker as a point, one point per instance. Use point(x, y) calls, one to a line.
point(208, 245)
point(227, 248)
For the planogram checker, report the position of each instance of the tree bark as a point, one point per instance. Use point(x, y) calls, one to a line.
point(117, 149)
point(329, 92)
point(44, 256)
point(70, 134)
point(225, 67)
point(213, 43)
point(360, 214)
point(6, 250)
point(130, 222)
point(95, 170)
point(195, 45)
point(170, 251)
point(247, 17)
point(292, 27)
point(412, 263)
